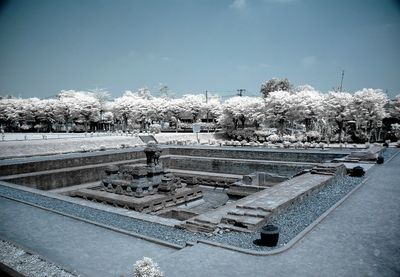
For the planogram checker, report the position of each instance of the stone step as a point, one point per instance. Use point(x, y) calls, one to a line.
point(233, 228)
point(247, 222)
point(249, 212)
point(195, 226)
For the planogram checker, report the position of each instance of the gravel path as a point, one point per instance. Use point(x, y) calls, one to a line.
point(27, 263)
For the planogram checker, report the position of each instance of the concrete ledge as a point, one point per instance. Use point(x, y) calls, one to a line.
point(8, 271)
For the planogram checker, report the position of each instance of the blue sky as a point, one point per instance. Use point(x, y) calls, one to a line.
point(197, 45)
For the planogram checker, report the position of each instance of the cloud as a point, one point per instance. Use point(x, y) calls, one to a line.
point(238, 4)
point(165, 59)
point(309, 60)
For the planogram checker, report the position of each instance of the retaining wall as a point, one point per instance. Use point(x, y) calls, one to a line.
point(290, 155)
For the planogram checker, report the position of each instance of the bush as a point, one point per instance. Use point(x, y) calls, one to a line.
point(146, 268)
point(313, 136)
point(155, 128)
point(289, 138)
point(273, 138)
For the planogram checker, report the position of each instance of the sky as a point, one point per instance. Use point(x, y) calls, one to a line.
point(193, 46)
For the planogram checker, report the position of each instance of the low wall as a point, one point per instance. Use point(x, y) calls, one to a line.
point(290, 155)
point(33, 164)
point(54, 179)
point(237, 166)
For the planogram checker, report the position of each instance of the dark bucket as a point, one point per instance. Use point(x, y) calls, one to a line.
point(269, 236)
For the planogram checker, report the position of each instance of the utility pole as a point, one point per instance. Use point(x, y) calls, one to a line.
point(341, 82)
point(206, 96)
point(240, 92)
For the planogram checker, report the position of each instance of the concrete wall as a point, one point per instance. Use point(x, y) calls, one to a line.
point(313, 156)
point(241, 167)
point(34, 164)
point(54, 179)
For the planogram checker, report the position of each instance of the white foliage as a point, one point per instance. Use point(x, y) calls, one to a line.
point(146, 268)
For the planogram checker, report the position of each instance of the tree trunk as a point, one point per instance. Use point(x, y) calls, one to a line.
point(340, 126)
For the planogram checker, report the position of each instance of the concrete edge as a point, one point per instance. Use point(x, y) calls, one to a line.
point(31, 252)
point(132, 234)
point(5, 269)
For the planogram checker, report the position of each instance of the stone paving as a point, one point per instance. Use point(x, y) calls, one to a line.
point(74, 244)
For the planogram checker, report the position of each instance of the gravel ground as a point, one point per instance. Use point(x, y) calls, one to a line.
point(29, 264)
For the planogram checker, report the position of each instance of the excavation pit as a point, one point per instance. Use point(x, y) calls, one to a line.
point(228, 188)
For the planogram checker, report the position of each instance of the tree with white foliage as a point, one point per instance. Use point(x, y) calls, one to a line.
point(236, 111)
point(212, 109)
point(369, 111)
point(192, 105)
point(278, 109)
point(306, 106)
point(275, 84)
point(174, 111)
point(124, 107)
point(338, 109)
point(8, 113)
point(86, 107)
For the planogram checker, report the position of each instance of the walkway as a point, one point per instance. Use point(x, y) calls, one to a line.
point(91, 250)
point(359, 238)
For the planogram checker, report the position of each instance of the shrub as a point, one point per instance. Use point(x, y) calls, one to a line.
point(146, 268)
point(155, 128)
point(313, 136)
point(25, 126)
point(289, 138)
point(273, 138)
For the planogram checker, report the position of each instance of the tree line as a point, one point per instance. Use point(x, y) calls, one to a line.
point(365, 115)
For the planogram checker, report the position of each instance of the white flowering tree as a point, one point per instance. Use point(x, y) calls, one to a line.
point(369, 111)
point(396, 109)
point(275, 84)
point(278, 109)
point(237, 111)
point(212, 109)
point(66, 110)
point(338, 109)
point(174, 111)
point(43, 113)
point(306, 106)
point(85, 106)
point(192, 106)
point(9, 113)
point(124, 107)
